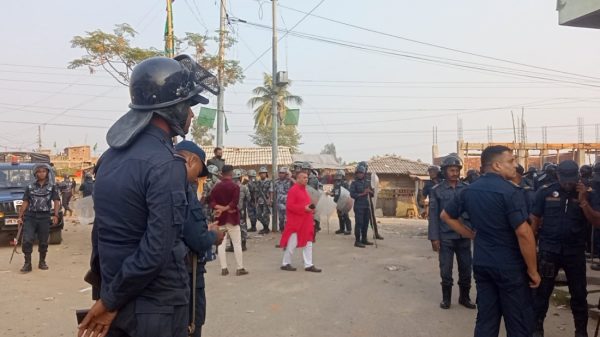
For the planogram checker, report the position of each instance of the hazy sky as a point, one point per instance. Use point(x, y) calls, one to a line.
point(365, 102)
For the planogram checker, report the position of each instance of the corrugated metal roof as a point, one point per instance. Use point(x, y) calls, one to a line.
point(319, 161)
point(251, 156)
point(395, 165)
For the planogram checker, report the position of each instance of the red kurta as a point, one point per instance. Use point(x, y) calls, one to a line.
point(297, 219)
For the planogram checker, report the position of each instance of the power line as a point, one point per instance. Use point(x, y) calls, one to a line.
point(285, 34)
point(427, 58)
point(438, 46)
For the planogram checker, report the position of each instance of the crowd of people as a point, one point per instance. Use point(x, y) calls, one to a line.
point(525, 227)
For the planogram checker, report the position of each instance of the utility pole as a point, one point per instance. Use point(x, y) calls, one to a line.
point(39, 138)
point(274, 115)
point(220, 74)
point(170, 37)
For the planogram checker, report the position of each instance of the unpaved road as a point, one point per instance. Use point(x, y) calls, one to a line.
point(356, 295)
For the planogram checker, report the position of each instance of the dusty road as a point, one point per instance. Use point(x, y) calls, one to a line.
point(356, 295)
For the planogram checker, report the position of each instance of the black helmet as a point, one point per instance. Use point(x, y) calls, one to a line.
point(361, 169)
point(433, 168)
point(166, 87)
point(520, 169)
point(451, 161)
point(160, 82)
point(472, 172)
point(364, 164)
point(306, 166)
point(585, 171)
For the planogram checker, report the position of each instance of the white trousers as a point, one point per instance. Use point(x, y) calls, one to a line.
point(289, 251)
point(236, 239)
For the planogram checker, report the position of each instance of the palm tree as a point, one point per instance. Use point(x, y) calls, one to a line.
point(261, 103)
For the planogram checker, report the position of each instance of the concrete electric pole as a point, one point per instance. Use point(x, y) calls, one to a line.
point(274, 115)
point(220, 74)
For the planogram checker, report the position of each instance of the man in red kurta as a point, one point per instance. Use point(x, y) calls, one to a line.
point(299, 226)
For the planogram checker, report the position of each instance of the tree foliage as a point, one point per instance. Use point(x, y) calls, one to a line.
point(201, 135)
point(287, 135)
point(330, 149)
point(111, 52)
point(262, 102)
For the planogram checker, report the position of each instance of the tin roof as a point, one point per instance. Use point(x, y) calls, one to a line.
point(251, 156)
point(319, 161)
point(395, 165)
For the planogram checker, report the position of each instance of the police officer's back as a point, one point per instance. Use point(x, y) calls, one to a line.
point(141, 204)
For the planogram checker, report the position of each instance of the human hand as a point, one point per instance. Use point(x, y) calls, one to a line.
point(213, 226)
point(435, 245)
point(20, 221)
point(583, 192)
point(54, 220)
point(97, 322)
point(220, 236)
point(534, 279)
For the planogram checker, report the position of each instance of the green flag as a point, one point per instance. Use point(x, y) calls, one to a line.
point(207, 116)
point(95, 147)
point(226, 125)
point(291, 117)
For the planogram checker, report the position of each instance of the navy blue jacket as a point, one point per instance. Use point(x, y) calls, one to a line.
point(496, 208)
point(564, 225)
point(441, 195)
point(195, 231)
point(141, 204)
point(357, 187)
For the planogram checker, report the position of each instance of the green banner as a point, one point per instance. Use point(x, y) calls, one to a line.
point(207, 116)
point(291, 117)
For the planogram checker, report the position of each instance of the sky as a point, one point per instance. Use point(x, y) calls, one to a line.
point(366, 102)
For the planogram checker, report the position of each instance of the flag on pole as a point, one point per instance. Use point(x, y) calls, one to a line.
point(291, 117)
point(206, 117)
point(226, 125)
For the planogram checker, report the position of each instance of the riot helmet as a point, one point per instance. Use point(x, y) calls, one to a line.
point(586, 171)
point(237, 174)
point(213, 169)
point(451, 161)
point(252, 173)
point(263, 169)
point(166, 87)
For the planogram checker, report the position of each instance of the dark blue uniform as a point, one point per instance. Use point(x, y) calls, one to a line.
point(562, 243)
point(87, 187)
point(37, 220)
point(496, 208)
point(344, 219)
point(528, 194)
point(141, 205)
point(199, 240)
point(450, 242)
point(362, 210)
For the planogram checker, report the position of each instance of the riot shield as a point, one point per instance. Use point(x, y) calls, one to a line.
point(375, 187)
point(345, 201)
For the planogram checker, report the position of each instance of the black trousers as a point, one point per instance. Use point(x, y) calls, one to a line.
point(361, 226)
point(200, 304)
point(66, 199)
point(575, 270)
point(36, 225)
point(345, 222)
point(462, 249)
point(143, 320)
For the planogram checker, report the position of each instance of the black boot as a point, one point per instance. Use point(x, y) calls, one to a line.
point(42, 264)
point(339, 231)
point(252, 228)
point(539, 329)
point(446, 297)
point(465, 298)
point(244, 245)
point(27, 266)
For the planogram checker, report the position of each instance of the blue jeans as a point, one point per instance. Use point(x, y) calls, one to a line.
point(462, 249)
point(503, 293)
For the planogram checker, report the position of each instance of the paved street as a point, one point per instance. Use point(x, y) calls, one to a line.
point(392, 290)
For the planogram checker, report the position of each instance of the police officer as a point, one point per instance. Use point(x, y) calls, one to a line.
point(586, 172)
point(368, 182)
point(37, 213)
point(282, 187)
point(198, 236)
point(263, 189)
point(472, 175)
point(343, 217)
point(66, 192)
point(530, 177)
point(242, 204)
point(547, 177)
point(562, 243)
point(252, 189)
point(87, 187)
point(434, 179)
point(140, 200)
point(446, 241)
point(527, 190)
point(360, 190)
point(209, 184)
point(504, 256)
